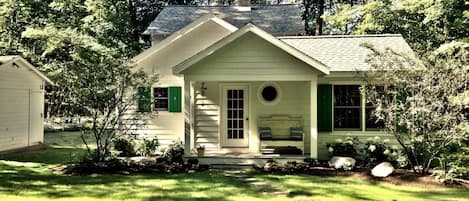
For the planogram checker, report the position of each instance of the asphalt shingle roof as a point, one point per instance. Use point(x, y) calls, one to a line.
point(278, 20)
point(345, 53)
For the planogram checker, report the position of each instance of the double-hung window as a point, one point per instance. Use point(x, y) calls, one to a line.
point(160, 99)
point(347, 107)
point(343, 108)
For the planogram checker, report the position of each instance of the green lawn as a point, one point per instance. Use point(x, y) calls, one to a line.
point(30, 177)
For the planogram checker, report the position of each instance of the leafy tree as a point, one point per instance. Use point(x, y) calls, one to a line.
point(425, 24)
point(418, 102)
point(313, 11)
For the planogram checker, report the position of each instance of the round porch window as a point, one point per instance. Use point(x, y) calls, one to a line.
point(269, 93)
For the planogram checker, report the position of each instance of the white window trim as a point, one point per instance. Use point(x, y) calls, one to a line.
point(363, 131)
point(276, 100)
point(153, 96)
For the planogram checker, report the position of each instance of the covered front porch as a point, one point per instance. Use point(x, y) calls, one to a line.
point(251, 120)
point(250, 93)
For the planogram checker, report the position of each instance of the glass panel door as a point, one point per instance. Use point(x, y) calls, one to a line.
point(234, 117)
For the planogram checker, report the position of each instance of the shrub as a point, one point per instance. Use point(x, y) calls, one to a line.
point(88, 164)
point(376, 151)
point(346, 148)
point(148, 146)
point(370, 153)
point(125, 147)
point(175, 153)
point(454, 163)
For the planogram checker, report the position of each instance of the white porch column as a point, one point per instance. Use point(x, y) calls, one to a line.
point(313, 118)
point(188, 118)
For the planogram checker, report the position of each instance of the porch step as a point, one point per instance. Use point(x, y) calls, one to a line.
point(281, 150)
point(233, 166)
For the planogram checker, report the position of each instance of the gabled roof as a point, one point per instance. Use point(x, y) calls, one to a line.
point(186, 30)
point(18, 60)
point(250, 28)
point(345, 52)
point(278, 20)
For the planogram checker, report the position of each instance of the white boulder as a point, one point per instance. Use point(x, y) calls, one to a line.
point(383, 169)
point(339, 162)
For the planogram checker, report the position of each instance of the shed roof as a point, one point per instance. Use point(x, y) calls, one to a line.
point(345, 52)
point(21, 61)
point(278, 20)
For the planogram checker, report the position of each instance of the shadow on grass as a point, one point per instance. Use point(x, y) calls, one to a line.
point(29, 175)
point(342, 188)
point(32, 181)
point(51, 155)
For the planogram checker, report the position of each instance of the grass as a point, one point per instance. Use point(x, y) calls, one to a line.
point(29, 177)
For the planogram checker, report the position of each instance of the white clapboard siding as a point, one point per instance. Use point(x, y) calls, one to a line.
point(206, 122)
point(248, 57)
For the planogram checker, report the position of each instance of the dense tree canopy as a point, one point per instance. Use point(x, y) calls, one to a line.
point(58, 35)
point(425, 24)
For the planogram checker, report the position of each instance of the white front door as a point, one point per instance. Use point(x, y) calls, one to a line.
point(235, 115)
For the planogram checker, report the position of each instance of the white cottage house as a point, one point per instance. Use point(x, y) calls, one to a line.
point(242, 83)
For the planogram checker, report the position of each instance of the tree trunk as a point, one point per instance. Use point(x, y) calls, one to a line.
point(319, 20)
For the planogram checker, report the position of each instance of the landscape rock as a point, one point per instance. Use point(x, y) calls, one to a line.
point(383, 169)
point(340, 162)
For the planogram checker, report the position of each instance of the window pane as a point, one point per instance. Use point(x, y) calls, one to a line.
point(160, 96)
point(347, 118)
point(347, 107)
point(371, 120)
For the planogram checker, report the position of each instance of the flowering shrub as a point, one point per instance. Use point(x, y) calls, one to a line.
point(370, 153)
point(376, 151)
point(347, 147)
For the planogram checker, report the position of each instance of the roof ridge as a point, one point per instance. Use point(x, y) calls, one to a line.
point(232, 6)
point(341, 36)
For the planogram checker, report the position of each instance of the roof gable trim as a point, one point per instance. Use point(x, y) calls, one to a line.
point(186, 30)
point(262, 34)
point(21, 61)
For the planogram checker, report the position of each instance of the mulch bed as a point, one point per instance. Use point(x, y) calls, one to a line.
point(398, 177)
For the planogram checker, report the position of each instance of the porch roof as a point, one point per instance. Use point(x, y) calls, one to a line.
point(250, 28)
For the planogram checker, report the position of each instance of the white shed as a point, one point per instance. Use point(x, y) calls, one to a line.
point(21, 104)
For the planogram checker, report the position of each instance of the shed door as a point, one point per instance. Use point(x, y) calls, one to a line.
point(234, 118)
point(36, 109)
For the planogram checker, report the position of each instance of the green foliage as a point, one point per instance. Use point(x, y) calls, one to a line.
point(148, 146)
point(425, 24)
point(376, 151)
point(346, 148)
point(424, 120)
point(125, 147)
point(175, 152)
point(370, 153)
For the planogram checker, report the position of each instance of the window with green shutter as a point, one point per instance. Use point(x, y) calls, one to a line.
point(324, 108)
point(144, 99)
point(175, 99)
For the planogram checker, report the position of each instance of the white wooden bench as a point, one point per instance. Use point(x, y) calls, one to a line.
point(280, 127)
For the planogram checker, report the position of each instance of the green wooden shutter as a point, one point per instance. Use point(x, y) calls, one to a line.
point(324, 108)
point(175, 99)
point(144, 99)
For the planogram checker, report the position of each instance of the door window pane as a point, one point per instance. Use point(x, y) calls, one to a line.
point(235, 116)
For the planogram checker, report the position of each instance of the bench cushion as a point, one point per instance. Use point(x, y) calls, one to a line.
point(265, 133)
point(296, 133)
